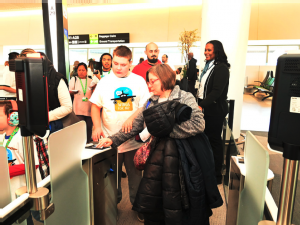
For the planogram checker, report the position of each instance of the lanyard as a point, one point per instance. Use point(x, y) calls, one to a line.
point(84, 90)
point(11, 136)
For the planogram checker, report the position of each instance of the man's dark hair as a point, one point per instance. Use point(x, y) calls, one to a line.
point(100, 69)
point(123, 51)
point(141, 60)
point(220, 55)
point(166, 56)
point(13, 55)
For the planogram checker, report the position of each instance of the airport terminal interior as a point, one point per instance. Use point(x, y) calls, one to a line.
point(62, 177)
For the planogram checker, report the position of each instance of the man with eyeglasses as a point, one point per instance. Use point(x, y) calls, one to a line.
point(152, 52)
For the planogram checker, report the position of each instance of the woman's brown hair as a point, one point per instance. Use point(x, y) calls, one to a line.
point(165, 74)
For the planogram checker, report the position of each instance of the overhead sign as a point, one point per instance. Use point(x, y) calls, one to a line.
point(118, 38)
point(113, 38)
point(79, 39)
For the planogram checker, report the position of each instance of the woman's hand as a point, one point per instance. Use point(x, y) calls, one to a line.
point(104, 142)
point(127, 125)
point(98, 133)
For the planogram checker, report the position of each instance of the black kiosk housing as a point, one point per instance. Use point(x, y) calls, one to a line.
point(284, 131)
point(32, 99)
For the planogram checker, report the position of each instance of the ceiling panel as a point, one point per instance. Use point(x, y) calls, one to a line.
point(20, 5)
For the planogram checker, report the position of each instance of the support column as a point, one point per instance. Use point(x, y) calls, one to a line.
point(228, 21)
point(55, 20)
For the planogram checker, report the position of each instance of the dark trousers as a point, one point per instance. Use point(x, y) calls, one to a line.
point(213, 130)
point(154, 219)
point(191, 84)
point(89, 126)
point(134, 175)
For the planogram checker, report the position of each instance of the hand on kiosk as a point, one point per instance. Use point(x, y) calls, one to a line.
point(104, 142)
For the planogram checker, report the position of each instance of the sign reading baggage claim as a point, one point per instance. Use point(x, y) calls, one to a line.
point(119, 38)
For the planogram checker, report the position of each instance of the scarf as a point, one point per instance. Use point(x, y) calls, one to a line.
point(206, 67)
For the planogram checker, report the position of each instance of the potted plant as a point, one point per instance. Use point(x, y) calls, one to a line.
point(187, 39)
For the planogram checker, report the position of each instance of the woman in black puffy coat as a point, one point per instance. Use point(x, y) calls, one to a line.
point(159, 196)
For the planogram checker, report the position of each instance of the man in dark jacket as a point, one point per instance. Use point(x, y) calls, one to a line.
point(192, 72)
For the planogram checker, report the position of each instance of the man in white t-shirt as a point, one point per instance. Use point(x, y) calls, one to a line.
point(120, 96)
point(165, 59)
point(8, 85)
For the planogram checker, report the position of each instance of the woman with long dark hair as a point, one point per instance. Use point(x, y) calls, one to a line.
point(212, 98)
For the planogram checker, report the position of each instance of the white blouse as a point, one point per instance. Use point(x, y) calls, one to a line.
point(65, 103)
point(204, 78)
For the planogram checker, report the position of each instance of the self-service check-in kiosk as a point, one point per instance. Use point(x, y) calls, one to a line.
point(284, 132)
point(83, 182)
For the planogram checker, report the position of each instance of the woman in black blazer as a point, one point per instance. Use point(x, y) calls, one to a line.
point(214, 81)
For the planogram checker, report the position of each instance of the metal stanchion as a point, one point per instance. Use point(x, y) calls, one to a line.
point(39, 196)
point(28, 152)
point(288, 191)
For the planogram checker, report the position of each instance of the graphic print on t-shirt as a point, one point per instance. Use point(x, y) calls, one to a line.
point(123, 99)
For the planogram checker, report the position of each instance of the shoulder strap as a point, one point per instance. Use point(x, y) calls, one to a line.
point(148, 103)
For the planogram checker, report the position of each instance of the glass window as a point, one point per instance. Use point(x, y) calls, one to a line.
point(276, 51)
point(197, 54)
point(137, 54)
point(77, 55)
point(96, 53)
point(174, 55)
point(256, 55)
point(16, 50)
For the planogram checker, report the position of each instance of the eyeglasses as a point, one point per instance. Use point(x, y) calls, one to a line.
point(152, 82)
